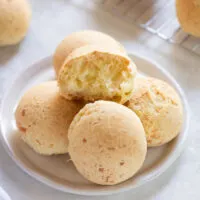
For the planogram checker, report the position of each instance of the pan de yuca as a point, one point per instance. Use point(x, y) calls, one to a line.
point(107, 142)
point(93, 73)
point(79, 39)
point(43, 118)
point(188, 13)
point(15, 18)
point(159, 108)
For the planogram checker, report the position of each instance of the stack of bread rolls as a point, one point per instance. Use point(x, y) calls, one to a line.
point(98, 110)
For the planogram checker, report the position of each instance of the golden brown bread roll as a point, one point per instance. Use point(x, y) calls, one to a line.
point(107, 142)
point(43, 118)
point(188, 13)
point(95, 73)
point(79, 39)
point(14, 21)
point(159, 108)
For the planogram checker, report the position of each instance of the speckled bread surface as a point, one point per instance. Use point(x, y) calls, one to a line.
point(43, 118)
point(159, 108)
point(107, 142)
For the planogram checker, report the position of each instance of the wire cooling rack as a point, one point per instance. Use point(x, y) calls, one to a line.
point(156, 16)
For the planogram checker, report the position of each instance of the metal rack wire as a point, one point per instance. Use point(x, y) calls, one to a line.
point(156, 16)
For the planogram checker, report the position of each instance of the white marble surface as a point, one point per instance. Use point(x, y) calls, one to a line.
point(52, 20)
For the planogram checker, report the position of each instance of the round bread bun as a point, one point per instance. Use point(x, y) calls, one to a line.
point(159, 108)
point(107, 143)
point(188, 13)
point(43, 118)
point(93, 73)
point(14, 21)
point(79, 39)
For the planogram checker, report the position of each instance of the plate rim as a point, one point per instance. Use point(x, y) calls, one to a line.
point(87, 192)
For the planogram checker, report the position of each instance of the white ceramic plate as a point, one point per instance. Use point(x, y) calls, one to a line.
point(4, 195)
point(57, 171)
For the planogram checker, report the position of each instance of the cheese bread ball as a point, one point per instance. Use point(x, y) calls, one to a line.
point(188, 13)
point(93, 73)
point(107, 142)
point(159, 108)
point(14, 21)
point(82, 38)
point(43, 118)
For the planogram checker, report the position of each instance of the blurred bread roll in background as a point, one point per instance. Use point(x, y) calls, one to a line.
point(159, 108)
point(79, 39)
point(96, 73)
point(43, 118)
point(107, 142)
point(15, 18)
point(188, 13)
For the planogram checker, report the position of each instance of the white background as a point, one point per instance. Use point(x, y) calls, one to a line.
point(52, 20)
